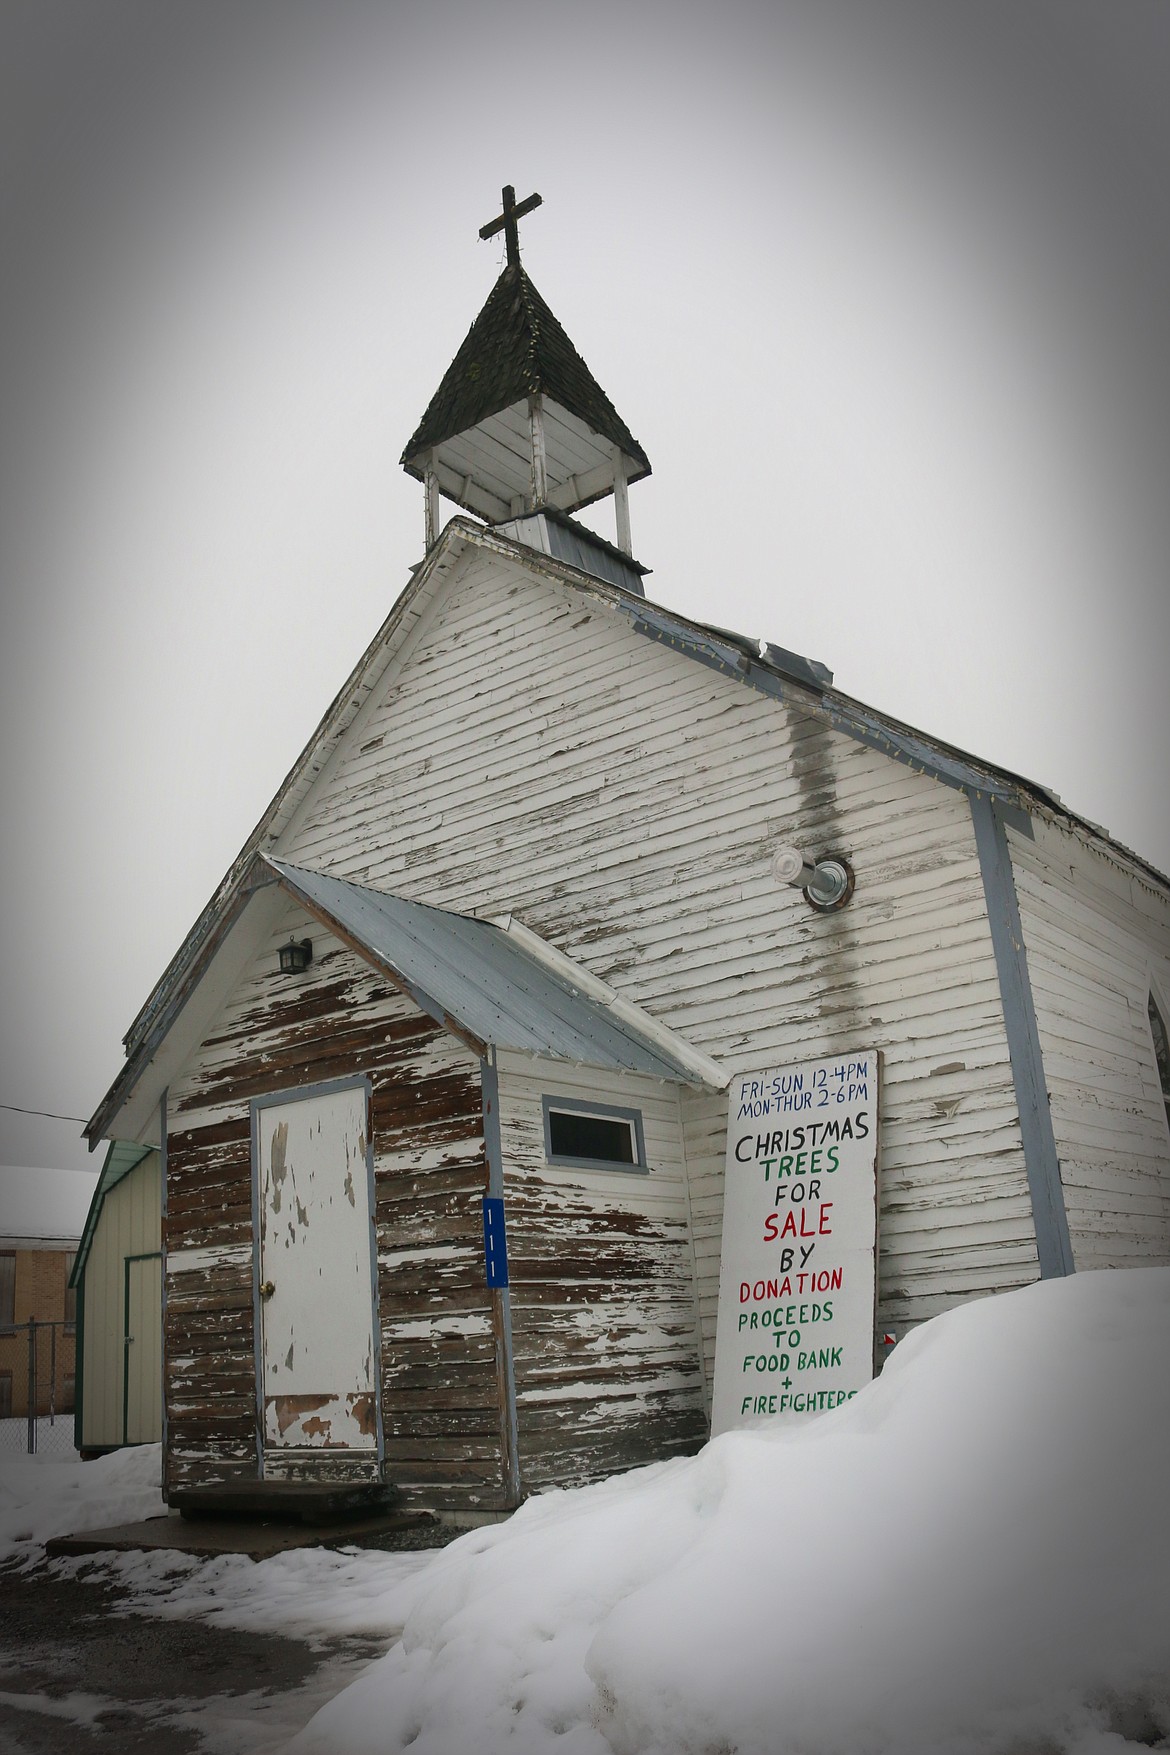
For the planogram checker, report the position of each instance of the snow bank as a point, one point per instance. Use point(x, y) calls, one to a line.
point(973, 1555)
point(45, 1496)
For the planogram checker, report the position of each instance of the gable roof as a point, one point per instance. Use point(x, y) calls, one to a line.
point(515, 349)
point(122, 1157)
point(491, 986)
point(476, 978)
point(767, 668)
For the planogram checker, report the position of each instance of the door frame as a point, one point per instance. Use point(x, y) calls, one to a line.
point(148, 1255)
point(272, 1100)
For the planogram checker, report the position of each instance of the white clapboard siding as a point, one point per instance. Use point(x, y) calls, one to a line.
point(605, 1322)
point(1096, 934)
point(535, 753)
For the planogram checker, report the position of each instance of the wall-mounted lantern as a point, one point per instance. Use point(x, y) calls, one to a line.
point(294, 957)
point(827, 882)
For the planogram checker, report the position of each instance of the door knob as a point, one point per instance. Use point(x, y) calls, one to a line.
point(266, 1288)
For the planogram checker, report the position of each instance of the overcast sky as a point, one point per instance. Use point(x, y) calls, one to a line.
point(880, 285)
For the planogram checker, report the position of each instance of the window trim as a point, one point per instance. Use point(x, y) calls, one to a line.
point(1154, 1003)
point(603, 1112)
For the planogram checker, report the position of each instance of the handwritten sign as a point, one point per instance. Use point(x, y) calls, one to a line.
point(797, 1272)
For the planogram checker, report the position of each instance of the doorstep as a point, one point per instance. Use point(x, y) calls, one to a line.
point(258, 1538)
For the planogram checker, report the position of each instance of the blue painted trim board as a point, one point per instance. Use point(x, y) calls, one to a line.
point(501, 1296)
point(1053, 1245)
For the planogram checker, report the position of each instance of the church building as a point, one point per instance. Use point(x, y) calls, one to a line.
point(442, 1077)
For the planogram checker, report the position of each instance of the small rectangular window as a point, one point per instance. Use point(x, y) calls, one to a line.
point(593, 1135)
point(5, 1395)
point(7, 1290)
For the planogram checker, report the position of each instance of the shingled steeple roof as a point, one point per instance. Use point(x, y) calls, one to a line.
point(515, 349)
point(519, 423)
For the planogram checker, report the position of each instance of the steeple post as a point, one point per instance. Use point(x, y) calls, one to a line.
point(519, 424)
point(621, 500)
point(431, 496)
point(539, 456)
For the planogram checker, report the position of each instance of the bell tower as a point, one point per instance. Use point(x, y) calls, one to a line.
point(519, 424)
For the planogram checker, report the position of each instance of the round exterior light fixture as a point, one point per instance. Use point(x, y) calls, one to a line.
point(826, 882)
point(831, 884)
point(294, 957)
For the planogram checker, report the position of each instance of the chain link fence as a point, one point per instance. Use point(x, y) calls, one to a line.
point(37, 1387)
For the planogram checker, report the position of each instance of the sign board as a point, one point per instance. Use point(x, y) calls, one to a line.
point(495, 1242)
point(798, 1265)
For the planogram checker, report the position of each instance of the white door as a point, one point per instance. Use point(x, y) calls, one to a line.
point(143, 1381)
point(318, 1361)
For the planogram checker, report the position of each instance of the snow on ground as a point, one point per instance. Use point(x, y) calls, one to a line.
point(50, 1495)
point(971, 1556)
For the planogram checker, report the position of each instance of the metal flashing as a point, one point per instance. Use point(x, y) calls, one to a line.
point(122, 1157)
point(479, 983)
point(1053, 1244)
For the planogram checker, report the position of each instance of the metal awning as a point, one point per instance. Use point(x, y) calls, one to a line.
point(472, 976)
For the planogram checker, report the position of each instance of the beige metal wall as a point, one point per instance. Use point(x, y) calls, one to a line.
point(130, 1226)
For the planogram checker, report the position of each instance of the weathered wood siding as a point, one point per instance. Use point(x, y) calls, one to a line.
point(129, 1225)
point(528, 749)
point(440, 1389)
point(1097, 933)
point(605, 1329)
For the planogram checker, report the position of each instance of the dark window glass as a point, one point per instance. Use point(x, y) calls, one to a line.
point(5, 1395)
point(591, 1136)
point(1161, 1051)
point(7, 1290)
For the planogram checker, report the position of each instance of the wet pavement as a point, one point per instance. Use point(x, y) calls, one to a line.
point(77, 1675)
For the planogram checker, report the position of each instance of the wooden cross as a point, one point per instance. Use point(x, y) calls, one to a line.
point(507, 222)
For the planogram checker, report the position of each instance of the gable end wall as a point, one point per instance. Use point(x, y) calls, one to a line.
point(535, 753)
point(440, 1392)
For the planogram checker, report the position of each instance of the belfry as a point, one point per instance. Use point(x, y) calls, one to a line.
point(519, 425)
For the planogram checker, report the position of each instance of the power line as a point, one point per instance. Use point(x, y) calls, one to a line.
point(51, 1114)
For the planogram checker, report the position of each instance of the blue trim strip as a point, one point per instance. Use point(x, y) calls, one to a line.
point(494, 1151)
point(1053, 1245)
point(495, 1242)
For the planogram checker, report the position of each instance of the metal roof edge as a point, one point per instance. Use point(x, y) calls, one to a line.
point(287, 876)
point(742, 657)
point(706, 1070)
point(344, 707)
point(218, 924)
point(114, 1170)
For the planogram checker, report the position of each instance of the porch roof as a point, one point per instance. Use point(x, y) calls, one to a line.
point(480, 979)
